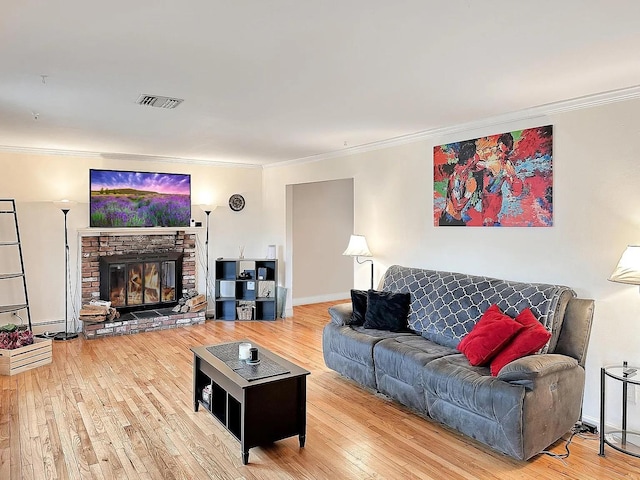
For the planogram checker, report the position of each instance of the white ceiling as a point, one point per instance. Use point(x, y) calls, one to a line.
point(274, 80)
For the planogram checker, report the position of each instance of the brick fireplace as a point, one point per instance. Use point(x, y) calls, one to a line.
point(97, 246)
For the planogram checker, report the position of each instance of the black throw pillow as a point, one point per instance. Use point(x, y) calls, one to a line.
point(359, 302)
point(387, 310)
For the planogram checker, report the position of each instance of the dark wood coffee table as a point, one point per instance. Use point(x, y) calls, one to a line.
point(256, 412)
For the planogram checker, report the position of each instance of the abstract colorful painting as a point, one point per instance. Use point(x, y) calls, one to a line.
point(503, 180)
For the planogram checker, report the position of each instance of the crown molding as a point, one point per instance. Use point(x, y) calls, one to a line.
point(122, 156)
point(541, 111)
point(47, 151)
point(190, 161)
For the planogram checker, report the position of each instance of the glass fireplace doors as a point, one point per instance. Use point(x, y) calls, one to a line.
point(139, 282)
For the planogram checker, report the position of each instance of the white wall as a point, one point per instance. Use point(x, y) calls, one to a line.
point(596, 194)
point(34, 181)
point(322, 221)
point(596, 198)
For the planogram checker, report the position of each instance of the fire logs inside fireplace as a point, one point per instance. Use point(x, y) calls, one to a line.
point(137, 282)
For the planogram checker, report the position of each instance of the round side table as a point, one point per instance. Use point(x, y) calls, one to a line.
point(623, 440)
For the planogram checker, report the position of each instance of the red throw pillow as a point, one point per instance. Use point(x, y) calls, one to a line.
point(488, 336)
point(530, 339)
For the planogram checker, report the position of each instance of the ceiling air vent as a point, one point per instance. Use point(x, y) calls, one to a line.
point(158, 102)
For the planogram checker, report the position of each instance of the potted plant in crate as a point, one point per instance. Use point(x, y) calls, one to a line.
point(19, 351)
point(12, 337)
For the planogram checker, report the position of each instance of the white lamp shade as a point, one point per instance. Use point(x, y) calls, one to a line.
point(628, 268)
point(358, 247)
point(65, 204)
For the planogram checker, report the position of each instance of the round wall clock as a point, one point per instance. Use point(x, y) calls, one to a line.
point(236, 202)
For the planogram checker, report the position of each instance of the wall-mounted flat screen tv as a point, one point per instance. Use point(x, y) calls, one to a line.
point(139, 199)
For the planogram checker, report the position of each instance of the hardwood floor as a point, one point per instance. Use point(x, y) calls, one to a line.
point(121, 408)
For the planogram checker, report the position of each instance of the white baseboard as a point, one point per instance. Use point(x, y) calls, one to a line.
point(53, 326)
point(321, 298)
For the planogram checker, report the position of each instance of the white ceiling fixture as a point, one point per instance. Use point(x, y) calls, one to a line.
point(158, 102)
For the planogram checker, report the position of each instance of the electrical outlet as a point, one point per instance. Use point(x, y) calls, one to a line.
point(589, 427)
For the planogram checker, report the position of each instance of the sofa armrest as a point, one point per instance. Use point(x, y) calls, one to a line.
point(554, 387)
point(341, 313)
point(527, 369)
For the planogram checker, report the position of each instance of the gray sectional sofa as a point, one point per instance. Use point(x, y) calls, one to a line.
point(532, 401)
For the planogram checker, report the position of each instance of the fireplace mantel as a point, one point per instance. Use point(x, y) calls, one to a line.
point(99, 232)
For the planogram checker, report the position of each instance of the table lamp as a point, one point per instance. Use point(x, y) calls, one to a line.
point(358, 248)
point(628, 268)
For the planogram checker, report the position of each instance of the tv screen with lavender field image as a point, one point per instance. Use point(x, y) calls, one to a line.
point(139, 199)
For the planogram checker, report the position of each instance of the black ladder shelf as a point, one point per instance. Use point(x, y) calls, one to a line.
point(8, 207)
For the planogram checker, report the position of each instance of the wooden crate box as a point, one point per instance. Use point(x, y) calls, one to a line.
point(25, 358)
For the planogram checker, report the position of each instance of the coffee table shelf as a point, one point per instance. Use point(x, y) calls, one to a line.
point(255, 412)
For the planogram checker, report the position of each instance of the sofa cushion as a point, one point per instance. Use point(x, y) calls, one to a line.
point(489, 336)
point(529, 340)
point(576, 330)
point(558, 319)
point(349, 350)
point(359, 302)
point(473, 402)
point(445, 306)
point(387, 311)
point(399, 364)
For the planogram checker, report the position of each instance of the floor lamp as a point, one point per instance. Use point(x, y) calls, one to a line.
point(358, 248)
point(65, 206)
point(207, 209)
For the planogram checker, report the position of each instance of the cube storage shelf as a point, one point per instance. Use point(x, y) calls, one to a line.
point(220, 404)
point(246, 283)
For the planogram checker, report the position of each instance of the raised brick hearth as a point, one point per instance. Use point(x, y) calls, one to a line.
point(145, 321)
point(100, 244)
